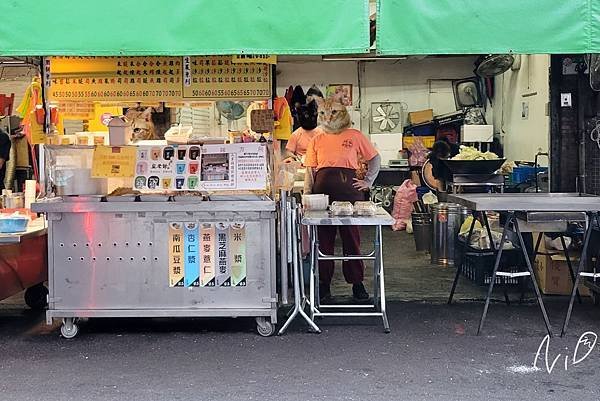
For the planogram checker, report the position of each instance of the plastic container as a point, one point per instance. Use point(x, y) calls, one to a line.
point(365, 208)
point(342, 208)
point(315, 201)
point(523, 174)
point(13, 224)
point(421, 223)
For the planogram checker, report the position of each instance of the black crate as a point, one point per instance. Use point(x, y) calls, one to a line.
point(479, 264)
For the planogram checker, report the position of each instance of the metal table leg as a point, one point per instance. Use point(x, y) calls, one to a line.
point(297, 272)
point(486, 223)
point(459, 267)
point(566, 251)
point(314, 255)
point(580, 268)
point(381, 281)
point(532, 275)
point(511, 217)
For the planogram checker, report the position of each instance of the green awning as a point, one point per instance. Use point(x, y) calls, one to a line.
point(183, 27)
point(487, 26)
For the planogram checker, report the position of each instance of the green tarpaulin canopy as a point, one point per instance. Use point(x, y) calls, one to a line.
point(487, 26)
point(182, 27)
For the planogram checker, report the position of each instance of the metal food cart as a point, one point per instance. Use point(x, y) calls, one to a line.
point(110, 259)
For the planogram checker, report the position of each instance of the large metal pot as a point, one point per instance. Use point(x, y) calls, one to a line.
point(447, 219)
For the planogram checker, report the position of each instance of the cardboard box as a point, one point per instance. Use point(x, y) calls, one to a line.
point(552, 274)
point(477, 133)
point(422, 116)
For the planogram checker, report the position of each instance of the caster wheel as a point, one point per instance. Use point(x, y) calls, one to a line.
point(36, 297)
point(69, 329)
point(264, 327)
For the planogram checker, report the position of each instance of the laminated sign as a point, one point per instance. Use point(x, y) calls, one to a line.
point(207, 254)
point(237, 251)
point(198, 168)
point(192, 255)
point(175, 255)
point(207, 272)
point(222, 251)
point(116, 161)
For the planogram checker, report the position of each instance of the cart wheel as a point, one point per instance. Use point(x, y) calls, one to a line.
point(68, 328)
point(36, 297)
point(264, 327)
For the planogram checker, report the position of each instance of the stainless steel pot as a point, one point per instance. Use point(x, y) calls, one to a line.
point(14, 200)
point(447, 219)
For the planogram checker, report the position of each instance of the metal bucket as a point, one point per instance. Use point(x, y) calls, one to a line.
point(446, 219)
point(421, 223)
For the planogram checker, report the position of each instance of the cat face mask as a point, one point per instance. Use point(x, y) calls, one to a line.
point(307, 116)
point(333, 116)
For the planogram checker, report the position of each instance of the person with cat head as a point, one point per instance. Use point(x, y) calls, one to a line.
point(141, 127)
point(332, 159)
point(301, 137)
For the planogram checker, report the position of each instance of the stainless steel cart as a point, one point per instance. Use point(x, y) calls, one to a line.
point(111, 259)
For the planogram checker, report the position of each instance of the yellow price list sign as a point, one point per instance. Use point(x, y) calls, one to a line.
point(114, 161)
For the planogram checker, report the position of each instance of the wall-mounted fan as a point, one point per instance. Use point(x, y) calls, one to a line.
point(386, 118)
point(493, 64)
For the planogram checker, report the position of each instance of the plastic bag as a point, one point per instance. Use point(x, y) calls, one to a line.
point(418, 153)
point(286, 176)
point(403, 204)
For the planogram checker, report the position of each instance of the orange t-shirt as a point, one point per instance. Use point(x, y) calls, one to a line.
point(298, 142)
point(339, 150)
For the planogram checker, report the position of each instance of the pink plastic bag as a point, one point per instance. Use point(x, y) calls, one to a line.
point(403, 204)
point(418, 153)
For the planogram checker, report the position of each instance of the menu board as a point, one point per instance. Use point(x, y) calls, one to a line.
point(115, 78)
point(201, 168)
point(207, 254)
point(160, 78)
point(219, 78)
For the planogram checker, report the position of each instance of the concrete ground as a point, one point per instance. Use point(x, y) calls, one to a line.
point(432, 353)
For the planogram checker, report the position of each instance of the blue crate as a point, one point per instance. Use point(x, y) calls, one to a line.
point(523, 174)
point(10, 225)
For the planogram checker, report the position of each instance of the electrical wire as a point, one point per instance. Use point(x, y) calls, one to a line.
point(593, 69)
point(595, 134)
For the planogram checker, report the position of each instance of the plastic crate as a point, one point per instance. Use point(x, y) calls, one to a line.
point(428, 141)
point(425, 129)
point(523, 174)
point(479, 264)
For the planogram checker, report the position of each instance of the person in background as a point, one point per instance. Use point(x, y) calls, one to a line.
point(436, 173)
point(4, 155)
point(331, 162)
point(301, 137)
